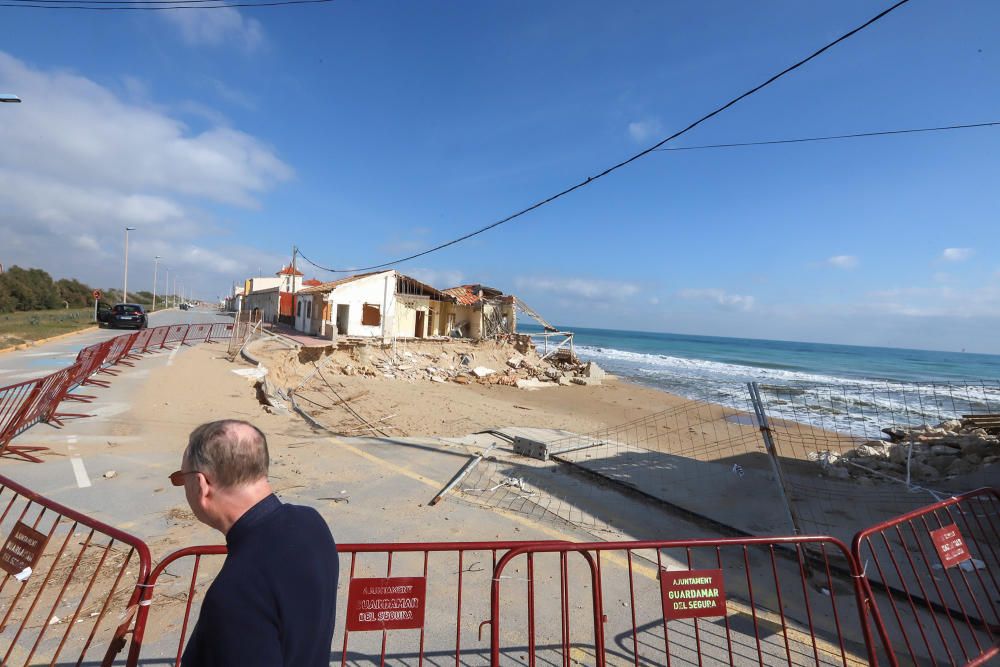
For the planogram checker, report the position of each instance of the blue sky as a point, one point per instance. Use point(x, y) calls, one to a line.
point(365, 131)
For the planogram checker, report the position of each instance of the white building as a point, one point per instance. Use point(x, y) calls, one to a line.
point(384, 304)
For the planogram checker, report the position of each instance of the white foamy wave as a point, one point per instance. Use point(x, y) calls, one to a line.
point(715, 370)
point(850, 405)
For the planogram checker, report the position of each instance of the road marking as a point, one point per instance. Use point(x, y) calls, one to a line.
point(79, 470)
point(170, 359)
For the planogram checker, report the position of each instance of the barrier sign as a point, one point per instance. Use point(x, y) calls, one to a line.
point(22, 549)
point(692, 593)
point(394, 603)
point(950, 545)
point(97, 295)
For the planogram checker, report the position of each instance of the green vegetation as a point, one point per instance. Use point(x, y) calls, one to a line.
point(25, 326)
point(23, 290)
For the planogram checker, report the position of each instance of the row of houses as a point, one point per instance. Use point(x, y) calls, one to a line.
point(381, 305)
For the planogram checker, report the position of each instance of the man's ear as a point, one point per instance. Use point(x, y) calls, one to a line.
point(204, 488)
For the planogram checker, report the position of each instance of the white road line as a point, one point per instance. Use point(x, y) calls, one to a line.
point(79, 471)
point(170, 360)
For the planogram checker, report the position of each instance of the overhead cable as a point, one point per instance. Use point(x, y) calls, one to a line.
point(166, 5)
point(802, 140)
point(630, 160)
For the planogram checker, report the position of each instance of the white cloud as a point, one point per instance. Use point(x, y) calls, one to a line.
point(602, 290)
point(215, 27)
point(941, 301)
point(956, 254)
point(644, 130)
point(441, 279)
point(80, 163)
point(719, 297)
point(845, 262)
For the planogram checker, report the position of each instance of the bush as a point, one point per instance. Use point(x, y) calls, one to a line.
point(27, 289)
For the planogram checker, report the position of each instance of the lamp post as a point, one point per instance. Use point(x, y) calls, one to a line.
point(125, 284)
point(156, 261)
point(174, 293)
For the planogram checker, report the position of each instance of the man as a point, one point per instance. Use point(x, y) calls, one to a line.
point(273, 602)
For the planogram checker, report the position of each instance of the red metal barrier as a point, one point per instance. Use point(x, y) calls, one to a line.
point(175, 334)
point(156, 338)
point(26, 403)
point(196, 333)
point(139, 343)
point(765, 601)
point(15, 402)
point(83, 575)
point(220, 331)
point(934, 575)
point(455, 579)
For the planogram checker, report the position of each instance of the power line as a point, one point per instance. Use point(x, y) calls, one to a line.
point(882, 133)
point(630, 160)
point(168, 5)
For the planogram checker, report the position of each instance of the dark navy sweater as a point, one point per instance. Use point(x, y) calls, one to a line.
point(274, 600)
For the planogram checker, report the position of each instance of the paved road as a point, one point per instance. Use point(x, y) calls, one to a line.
point(42, 360)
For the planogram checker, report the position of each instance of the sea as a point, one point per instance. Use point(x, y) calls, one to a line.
point(818, 383)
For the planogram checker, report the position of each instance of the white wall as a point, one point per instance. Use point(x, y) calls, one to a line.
point(379, 289)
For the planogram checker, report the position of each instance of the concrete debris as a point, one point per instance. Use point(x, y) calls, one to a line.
point(952, 448)
point(433, 362)
point(533, 383)
point(110, 474)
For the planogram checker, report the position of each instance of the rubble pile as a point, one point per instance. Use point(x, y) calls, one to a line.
point(493, 367)
point(953, 447)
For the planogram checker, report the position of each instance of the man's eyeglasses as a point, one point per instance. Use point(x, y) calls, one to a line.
point(177, 478)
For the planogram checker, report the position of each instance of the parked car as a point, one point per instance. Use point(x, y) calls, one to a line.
point(185, 306)
point(128, 315)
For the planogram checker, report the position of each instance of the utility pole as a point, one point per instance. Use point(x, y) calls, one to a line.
point(156, 262)
point(125, 283)
point(174, 294)
point(295, 251)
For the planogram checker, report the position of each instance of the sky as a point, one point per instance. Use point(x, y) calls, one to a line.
point(364, 131)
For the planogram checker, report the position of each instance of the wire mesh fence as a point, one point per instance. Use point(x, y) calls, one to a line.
point(819, 459)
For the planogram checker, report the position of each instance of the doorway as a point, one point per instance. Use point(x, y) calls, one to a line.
point(343, 318)
point(419, 332)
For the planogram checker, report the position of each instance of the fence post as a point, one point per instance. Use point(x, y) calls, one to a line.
point(765, 432)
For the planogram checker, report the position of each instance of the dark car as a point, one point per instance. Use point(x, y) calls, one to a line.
point(128, 315)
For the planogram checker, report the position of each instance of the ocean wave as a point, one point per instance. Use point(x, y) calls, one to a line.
point(851, 405)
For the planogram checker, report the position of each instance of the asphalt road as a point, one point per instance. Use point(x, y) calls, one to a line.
point(41, 360)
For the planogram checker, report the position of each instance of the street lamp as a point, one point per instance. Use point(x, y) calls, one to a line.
point(156, 261)
point(10, 99)
point(174, 293)
point(125, 285)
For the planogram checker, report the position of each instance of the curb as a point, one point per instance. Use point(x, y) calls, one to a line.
point(43, 341)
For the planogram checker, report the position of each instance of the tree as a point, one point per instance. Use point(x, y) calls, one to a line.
point(75, 293)
point(27, 289)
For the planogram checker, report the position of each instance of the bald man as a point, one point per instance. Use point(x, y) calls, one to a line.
point(273, 602)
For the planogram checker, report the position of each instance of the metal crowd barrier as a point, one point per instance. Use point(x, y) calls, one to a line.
point(67, 581)
point(766, 601)
point(27, 403)
point(934, 574)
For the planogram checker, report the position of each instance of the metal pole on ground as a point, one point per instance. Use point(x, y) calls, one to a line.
point(766, 434)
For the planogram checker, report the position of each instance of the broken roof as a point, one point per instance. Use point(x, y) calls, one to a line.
point(468, 295)
point(322, 288)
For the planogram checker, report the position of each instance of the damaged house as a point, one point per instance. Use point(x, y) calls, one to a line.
point(383, 304)
point(481, 312)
